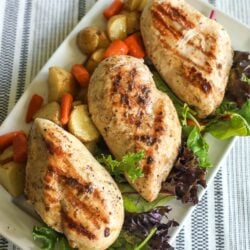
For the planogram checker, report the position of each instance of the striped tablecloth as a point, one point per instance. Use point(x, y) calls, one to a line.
point(30, 30)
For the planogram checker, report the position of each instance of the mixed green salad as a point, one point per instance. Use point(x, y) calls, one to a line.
point(146, 224)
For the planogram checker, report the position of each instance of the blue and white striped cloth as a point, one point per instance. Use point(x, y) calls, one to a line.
point(30, 30)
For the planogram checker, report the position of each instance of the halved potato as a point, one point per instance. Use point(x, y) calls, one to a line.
point(81, 125)
point(7, 155)
point(142, 5)
point(12, 177)
point(94, 60)
point(50, 111)
point(133, 21)
point(88, 40)
point(132, 4)
point(117, 27)
point(135, 5)
point(60, 81)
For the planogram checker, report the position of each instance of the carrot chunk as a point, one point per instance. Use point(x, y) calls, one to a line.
point(35, 104)
point(113, 9)
point(20, 148)
point(135, 46)
point(7, 139)
point(117, 47)
point(81, 74)
point(66, 106)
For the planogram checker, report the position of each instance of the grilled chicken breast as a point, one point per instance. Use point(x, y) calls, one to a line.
point(192, 53)
point(132, 115)
point(70, 190)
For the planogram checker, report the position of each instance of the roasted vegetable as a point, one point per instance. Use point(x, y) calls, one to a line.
point(94, 60)
point(81, 126)
point(50, 111)
point(133, 20)
point(90, 39)
point(7, 155)
point(117, 27)
point(12, 176)
point(60, 82)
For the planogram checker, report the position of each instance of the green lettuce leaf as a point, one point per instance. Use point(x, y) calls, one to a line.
point(128, 165)
point(134, 203)
point(197, 144)
point(230, 121)
point(50, 239)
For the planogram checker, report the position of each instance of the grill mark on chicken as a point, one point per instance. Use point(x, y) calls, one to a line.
point(77, 227)
point(94, 216)
point(52, 148)
point(159, 14)
point(195, 78)
point(70, 182)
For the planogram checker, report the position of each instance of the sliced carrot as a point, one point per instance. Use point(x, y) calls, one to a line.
point(190, 122)
point(35, 104)
point(66, 106)
point(135, 45)
point(81, 74)
point(117, 47)
point(20, 148)
point(113, 9)
point(7, 139)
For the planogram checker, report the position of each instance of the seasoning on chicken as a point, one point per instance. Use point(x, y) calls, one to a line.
point(192, 53)
point(70, 190)
point(132, 116)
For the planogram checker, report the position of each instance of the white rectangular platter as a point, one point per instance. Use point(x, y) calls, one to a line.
point(17, 225)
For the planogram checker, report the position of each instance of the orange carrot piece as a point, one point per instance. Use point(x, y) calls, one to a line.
point(135, 46)
point(113, 9)
point(66, 106)
point(20, 148)
point(117, 47)
point(190, 122)
point(35, 104)
point(81, 74)
point(7, 139)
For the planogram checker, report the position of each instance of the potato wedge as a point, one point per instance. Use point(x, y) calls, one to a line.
point(12, 177)
point(94, 60)
point(117, 27)
point(50, 111)
point(133, 21)
point(60, 81)
point(88, 39)
point(81, 126)
point(132, 4)
point(7, 155)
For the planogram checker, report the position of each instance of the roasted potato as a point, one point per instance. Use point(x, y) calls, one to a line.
point(90, 39)
point(50, 111)
point(94, 60)
point(12, 177)
point(132, 4)
point(135, 5)
point(81, 126)
point(7, 155)
point(103, 40)
point(60, 81)
point(132, 20)
point(142, 5)
point(117, 27)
